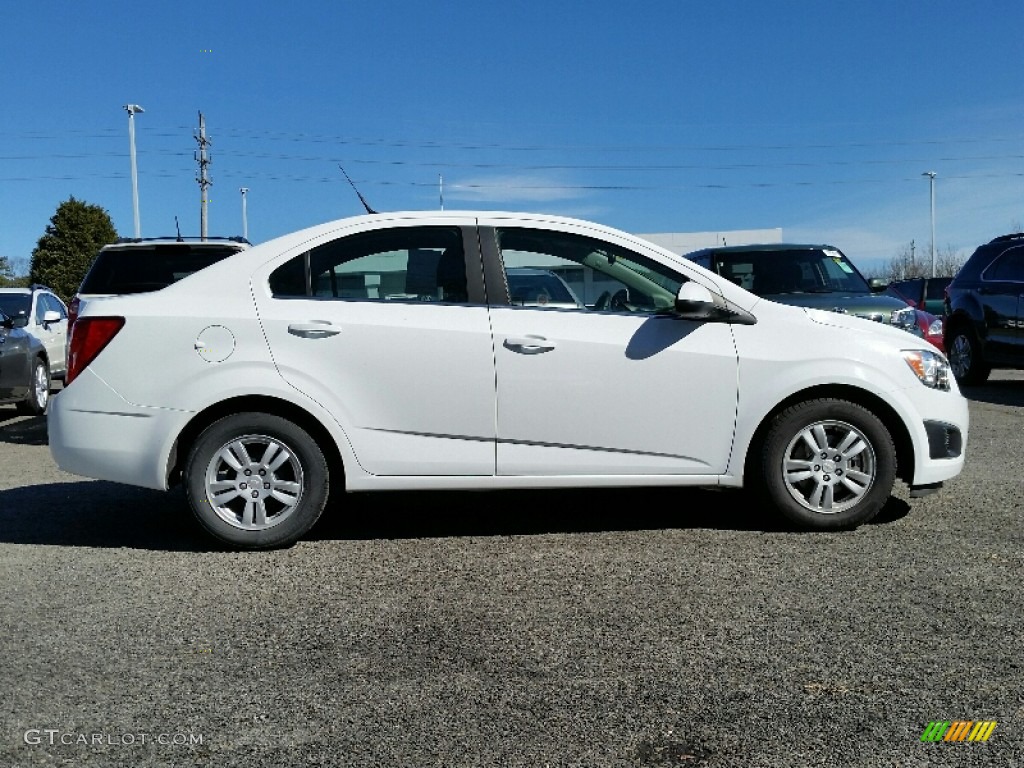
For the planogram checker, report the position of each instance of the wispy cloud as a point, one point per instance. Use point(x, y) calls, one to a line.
point(971, 207)
point(510, 188)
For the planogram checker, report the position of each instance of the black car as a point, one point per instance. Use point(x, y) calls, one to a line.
point(984, 313)
point(24, 370)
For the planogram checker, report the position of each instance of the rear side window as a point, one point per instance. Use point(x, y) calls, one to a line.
point(403, 264)
point(1009, 266)
point(148, 268)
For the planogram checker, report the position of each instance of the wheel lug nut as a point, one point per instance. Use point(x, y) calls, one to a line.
point(243, 486)
point(827, 478)
point(248, 472)
point(263, 472)
point(824, 455)
point(266, 486)
point(255, 494)
point(817, 467)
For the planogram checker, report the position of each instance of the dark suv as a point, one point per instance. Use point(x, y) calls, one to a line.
point(984, 313)
point(818, 277)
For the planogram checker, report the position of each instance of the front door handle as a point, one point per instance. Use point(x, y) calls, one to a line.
point(529, 345)
point(314, 330)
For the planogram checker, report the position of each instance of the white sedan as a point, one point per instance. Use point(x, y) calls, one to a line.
point(385, 352)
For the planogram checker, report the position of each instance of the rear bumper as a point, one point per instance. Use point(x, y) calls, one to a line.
point(96, 433)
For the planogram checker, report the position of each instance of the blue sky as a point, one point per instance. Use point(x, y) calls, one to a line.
point(665, 116)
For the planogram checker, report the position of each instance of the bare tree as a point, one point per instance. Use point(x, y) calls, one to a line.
point(909, 263)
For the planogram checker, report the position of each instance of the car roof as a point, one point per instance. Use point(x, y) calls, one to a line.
point(439, 217)
point(27, 289)
point(762, 247)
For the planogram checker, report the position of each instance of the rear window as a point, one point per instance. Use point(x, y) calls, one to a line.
point(140, 269)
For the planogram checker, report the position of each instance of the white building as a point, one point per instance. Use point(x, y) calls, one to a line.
point(684, 242)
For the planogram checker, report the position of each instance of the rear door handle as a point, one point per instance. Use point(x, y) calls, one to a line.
point(314, 330)
point(529, 345)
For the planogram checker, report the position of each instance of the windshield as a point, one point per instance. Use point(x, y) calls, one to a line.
point(803, 270)
point(15, 304)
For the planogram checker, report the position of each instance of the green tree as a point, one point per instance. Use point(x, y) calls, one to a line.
point(74, 236)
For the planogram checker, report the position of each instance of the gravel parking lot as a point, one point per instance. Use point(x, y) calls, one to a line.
point(611, 628)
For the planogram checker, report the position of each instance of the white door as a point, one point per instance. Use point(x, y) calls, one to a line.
point(617, 385)
point(382, 330)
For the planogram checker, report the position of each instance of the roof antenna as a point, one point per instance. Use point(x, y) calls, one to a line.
point(178, 227)
point(362, 200)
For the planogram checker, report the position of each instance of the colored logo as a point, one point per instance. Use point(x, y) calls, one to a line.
point(958, 730)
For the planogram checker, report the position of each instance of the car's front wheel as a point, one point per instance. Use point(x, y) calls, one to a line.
point(965, 357)
point(256, 480)
point(827, 464)
point(38, 389)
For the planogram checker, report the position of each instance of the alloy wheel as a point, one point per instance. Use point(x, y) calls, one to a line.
point(829, 466)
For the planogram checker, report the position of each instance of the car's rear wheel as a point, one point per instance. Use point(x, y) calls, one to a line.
point(965, 357)
point(256, 480)
point(827, 464)
point(38, 389)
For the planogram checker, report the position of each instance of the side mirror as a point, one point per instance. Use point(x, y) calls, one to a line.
point(51, 316)
point(878, 284)
point(695, 302)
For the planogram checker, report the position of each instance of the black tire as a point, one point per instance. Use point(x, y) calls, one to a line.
point(38, 396)
point(965, 357)
point(247, 497)
point(840, 481)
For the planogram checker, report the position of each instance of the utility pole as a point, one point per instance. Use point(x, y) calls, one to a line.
point(931, 184)
point(440, 189)
point(133, 109)
point(203, 158)
point(245, 219)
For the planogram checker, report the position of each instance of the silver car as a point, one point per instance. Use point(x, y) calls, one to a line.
point(43, 315)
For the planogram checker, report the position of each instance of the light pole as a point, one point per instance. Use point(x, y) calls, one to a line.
point(132, 109)
point(245, 219)
point(931, 185)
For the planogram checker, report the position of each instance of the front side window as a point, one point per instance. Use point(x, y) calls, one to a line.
point(557, 270)
point(403, 264)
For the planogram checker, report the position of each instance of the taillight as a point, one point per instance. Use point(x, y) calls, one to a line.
point(89, 335)
point(73, 313)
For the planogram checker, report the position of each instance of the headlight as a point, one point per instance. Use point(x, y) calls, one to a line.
point(931, 368)
point(905, 318)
